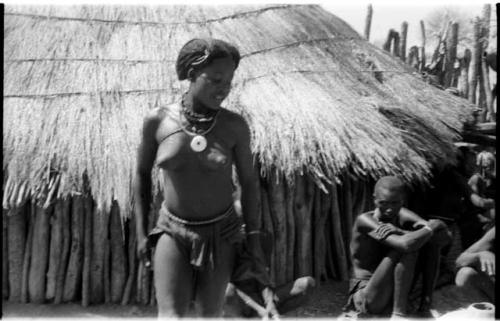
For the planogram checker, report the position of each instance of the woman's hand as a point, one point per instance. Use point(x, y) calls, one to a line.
point(144, 251)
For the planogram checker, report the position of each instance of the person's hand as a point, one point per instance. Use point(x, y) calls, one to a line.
point(386, 229)
point(271, 310)
point(487, 262)
point(436, 224)
point(143, 251)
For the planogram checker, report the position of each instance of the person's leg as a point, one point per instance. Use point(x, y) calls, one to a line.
point(293, 294)
point(477, 284)
point(403, 274)
point(173, 278)
point(379, 290)
point(430, 257)
point(211, 284)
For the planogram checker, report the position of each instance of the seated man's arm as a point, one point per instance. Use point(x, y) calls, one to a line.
point(409, 218)
point(479, 254)
point(398, 239)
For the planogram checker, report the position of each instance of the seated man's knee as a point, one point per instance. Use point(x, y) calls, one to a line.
point(466, 276)
point(441, 238)
point(303, 284)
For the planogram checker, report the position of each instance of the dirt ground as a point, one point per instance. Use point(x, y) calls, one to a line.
point(326, 301)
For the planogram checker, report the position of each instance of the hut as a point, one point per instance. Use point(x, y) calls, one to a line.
point(328, 112)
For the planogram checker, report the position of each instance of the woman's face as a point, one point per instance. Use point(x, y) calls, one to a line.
point(211, 85)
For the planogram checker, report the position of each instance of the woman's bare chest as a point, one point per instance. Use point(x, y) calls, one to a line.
point(179, 149)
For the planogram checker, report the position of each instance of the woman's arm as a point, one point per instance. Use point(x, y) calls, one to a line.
point(247, 178)
point(479, 254)
point(248, 181)
point(146, 154)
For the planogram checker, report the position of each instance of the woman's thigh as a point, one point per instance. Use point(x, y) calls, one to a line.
point(212, 283)
point(173, 278)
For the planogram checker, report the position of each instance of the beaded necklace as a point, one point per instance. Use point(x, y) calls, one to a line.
point(198, 142)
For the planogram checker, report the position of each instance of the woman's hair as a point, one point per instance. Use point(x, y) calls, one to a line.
point(198, 53)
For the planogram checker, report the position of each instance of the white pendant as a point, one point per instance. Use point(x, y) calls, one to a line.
point(198, 143)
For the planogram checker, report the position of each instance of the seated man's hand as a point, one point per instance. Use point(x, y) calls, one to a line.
point(487, 262)
point(271, 310)
point(386, 229)
point(436, 224)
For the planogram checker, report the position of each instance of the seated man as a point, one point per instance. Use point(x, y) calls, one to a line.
point(384, 249)
point(476, 265)
point(250, 292)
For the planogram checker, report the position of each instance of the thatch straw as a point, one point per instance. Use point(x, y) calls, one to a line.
point(319, 98)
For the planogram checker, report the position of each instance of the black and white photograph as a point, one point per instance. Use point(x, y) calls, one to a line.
point(249, 160)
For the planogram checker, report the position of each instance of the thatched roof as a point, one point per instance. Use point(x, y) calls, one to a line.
point(319, 98)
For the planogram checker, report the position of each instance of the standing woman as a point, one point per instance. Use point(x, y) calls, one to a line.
point(195, 142)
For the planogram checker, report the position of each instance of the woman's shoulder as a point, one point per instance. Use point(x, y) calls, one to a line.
point(157, 114)
point(233, 119)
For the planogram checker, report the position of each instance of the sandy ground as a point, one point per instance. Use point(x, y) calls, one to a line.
point(326, 301)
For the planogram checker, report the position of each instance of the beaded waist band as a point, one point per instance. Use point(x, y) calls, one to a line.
point(216, 219)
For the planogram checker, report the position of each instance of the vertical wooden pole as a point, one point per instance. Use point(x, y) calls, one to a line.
point(5, 256)
point(16, 234)
point(489, 99)
point(422, 46)
point(451, 55)
point(40, 255)
point(486, 88)
point(290, 231)
point(65, 249)
point(413, 57)
point(87, 253)
point(475, 61)
point(73, 277)
point(97, 257)
point(387, 44)
point(56, 243)
point(368, 22)
point(118, 255)
point(463, 81)
point(27, 252)
point(277, 206)
point(404, 33)
point(268, 226)
point(339, 239)
point(395, 45)
point(132, 261)
point(302, 211)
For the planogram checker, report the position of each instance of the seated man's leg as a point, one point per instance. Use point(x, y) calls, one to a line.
point(293, 294)
point(430, 256)
point(376, 296)
point(477, 284)
point(403, 275)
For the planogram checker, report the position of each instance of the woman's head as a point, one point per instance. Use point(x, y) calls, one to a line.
point(209, 65)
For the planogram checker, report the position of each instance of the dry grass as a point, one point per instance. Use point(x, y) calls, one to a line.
point(79, 79)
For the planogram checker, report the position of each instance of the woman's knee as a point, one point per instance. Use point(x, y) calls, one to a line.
point(466, 276)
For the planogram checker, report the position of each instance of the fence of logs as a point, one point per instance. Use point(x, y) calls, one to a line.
point(71, 252)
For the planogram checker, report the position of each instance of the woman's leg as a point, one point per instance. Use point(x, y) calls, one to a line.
point(211, 284)
point(173, 278)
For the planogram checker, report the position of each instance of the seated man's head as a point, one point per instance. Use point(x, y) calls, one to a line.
point(389, 196)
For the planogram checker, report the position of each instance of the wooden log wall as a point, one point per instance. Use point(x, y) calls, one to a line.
point(71, 252)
